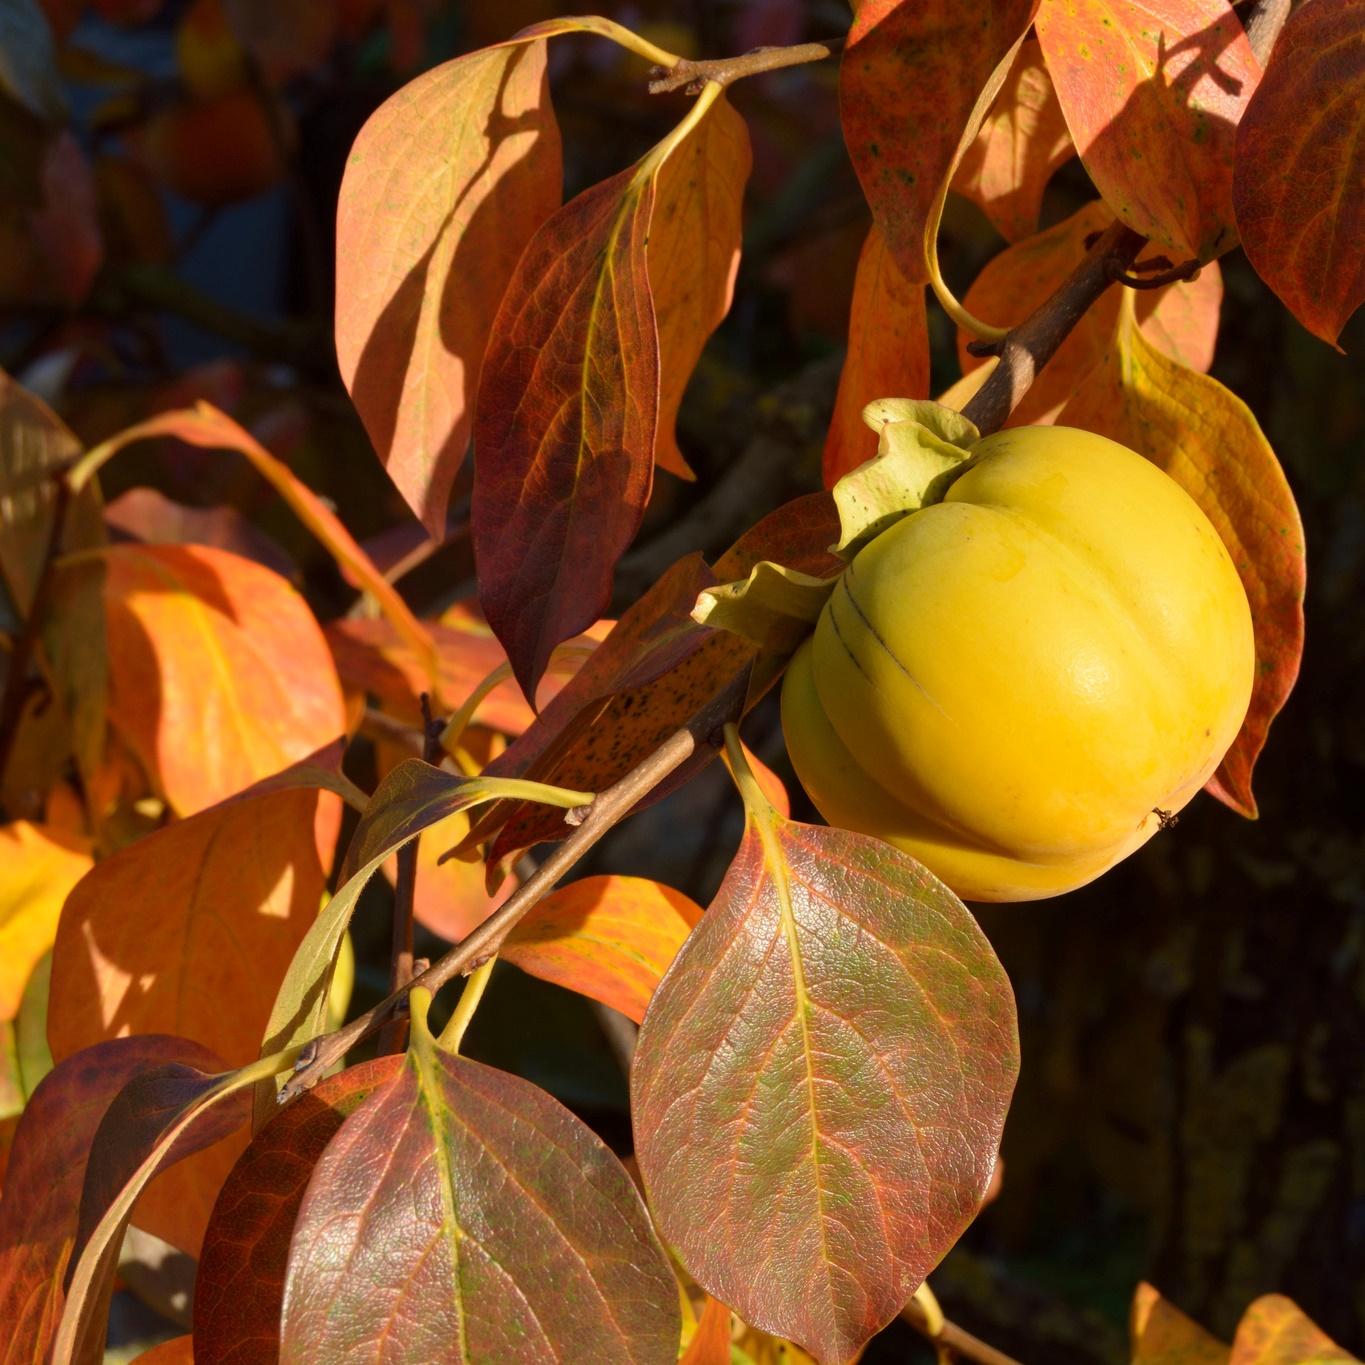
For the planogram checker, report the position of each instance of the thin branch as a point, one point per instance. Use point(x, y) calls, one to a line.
point(1028, 347)
point(609, 809)
point(955, 1337)
point(1263, 24)
point(726, 70)
point(1186, 270)
point(386, 730)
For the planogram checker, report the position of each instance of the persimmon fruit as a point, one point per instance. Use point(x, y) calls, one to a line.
point(1020, 683)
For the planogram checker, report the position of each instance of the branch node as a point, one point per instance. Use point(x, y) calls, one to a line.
point(1186, 270)
point(575, 815)
point(985, 348)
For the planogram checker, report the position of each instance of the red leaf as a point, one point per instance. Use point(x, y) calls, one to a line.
point(239, 1287)
point(1206, 439)
point(219, 674)
point(461, 1213)
point(888, 355)
point(608, 937)
point(1152, 91)
point(176, 1351)
point(910, 76)
point(444, 187)
point(43, 1182)
point(796, 535)
point(1299, 185)
point(1022, 140)
point(67, 226)
point(840, 1011)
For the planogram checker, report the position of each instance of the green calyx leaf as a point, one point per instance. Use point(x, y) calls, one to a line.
point(774, 607)
point(923, 447)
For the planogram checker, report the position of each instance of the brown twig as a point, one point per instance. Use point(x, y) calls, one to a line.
point(386, 730)
point(1186, 270)
point(1263, 24)
point(16, 679)
point(1028, 347)
point(609, 809)
point(726, 70)
point(954, 1337)
point(393, 1036)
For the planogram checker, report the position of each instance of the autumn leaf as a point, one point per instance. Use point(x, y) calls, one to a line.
point(1152, 95)
point(176, 1351)
point(1207, 440)
point(1022, 140)
point(909, 78)
point(219, 674)
point(239, 1286)
point(1162, 1335)
point(1274, 1330)
point(840, 1012)
point(39, 865)
point(888, 354)
point(40, 1208)
point(444, 187)
point(710, 1344)
point(460, 1212)
point(608, 937)
point(693, 255)
point(1299, 184)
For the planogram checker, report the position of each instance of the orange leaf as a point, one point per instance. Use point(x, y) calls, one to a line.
point(1206, 439)
point(710, 1344)
point(1274, 1330)
point(176, 1351)
point(1301, 167)
point(1162, 1335)
point(444, 187)
point(204, 425)
point(1181, 319)
point(909, 78)
point(219, 675)
point(1022, 140)
point(1152, 95)
point(608, 937)
point(888, 355)
point(693, 256)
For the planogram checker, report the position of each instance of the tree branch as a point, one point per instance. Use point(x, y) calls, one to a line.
point(607, 810)
point(1263, 24)
point(1028, 347)
point(954, 1337)
point(726, 70)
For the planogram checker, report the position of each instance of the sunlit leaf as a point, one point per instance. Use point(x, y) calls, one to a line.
point(608, 937)
point(462, 1214)
point(176, 1351)
point(1299, 185)
point(1022, 140)
point(219, 674)
point(38, 867)
point(1207, 440)
point(910, 76)
point(1274, 1330)
point(888, 354)
point(821, 1082)
point(1152, 94)
point(39, 1213)
point(444, 187)
point(239, 1287)
point(1162, 1335)
point(710, 1344)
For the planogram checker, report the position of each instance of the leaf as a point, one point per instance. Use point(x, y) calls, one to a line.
point(1274, 1330)
point(798, 534)
point(888, 352)
point(1162, 1335)
point(608, 937)
point(444, 187)
point(710, 1344)
point(28, 61)
point(1022, 140)
point(820, 1084)
point(66, 227)
point(909, 78)
point(38, 867)
point(774, 607)
point(239, 1287)
point(1181, 319)
point(462, 1214)
point(219, 675)
point(74, 637)
point(176, 1351)
point(205, 426)
point(47, 1163)
point(1152, 94)
point(156, 1120)
point(1207, 440)
point(693, 256)
point(1300, 167)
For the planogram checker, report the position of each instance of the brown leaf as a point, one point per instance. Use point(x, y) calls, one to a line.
point(840, 1011)
point(444, 187)
point(1022, 140)
point(1207, 440)
point(1299, 184)
point(888, 355)
point(219, 675)
point(909, 78)
point(1152, 95)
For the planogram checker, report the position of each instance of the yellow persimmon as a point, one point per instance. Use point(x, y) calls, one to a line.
point(1017, 683)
